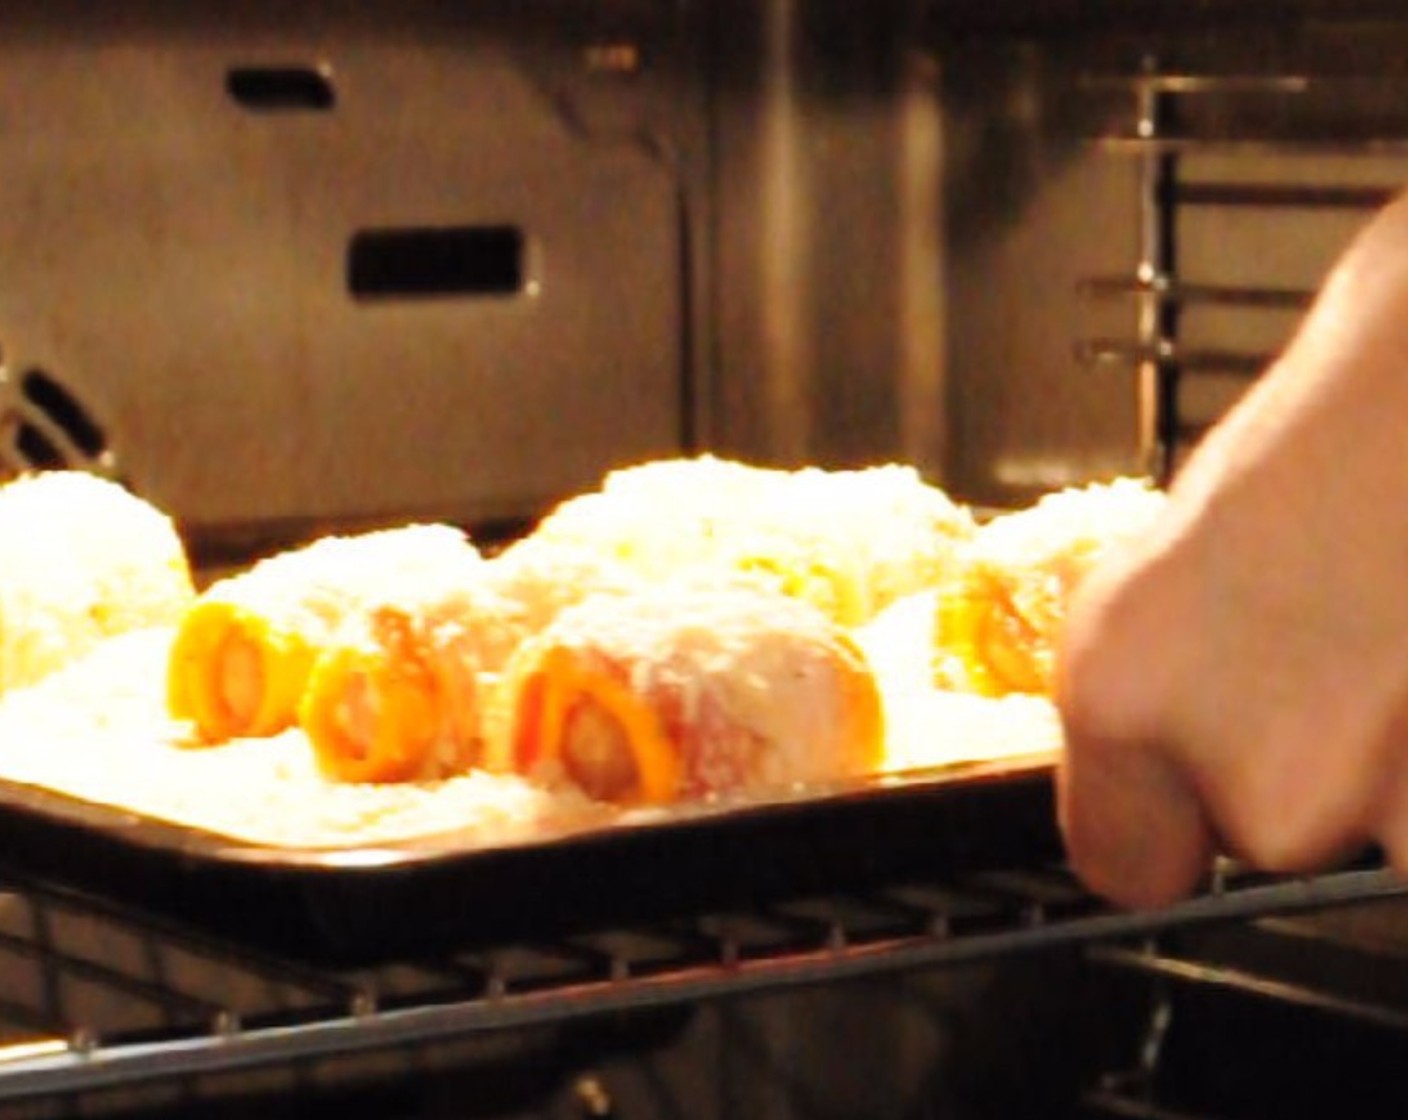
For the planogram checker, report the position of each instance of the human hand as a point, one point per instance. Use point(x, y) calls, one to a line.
point(1237, 681)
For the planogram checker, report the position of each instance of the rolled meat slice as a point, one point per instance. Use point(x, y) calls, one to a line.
point(84, 559)
point(404, 690)
point(397, 696)
point(244, 649)
point(999, 617)
point(684, 691)
point(401, 692)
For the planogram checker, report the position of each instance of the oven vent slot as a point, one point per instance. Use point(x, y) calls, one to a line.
point(281, 89)
point(458, 261)
point(45, 426)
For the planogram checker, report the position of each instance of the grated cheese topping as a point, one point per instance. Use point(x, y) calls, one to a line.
point(84, 559)
point(312, 589)
point(849, 541)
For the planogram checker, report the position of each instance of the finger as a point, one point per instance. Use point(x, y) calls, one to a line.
point(1133, 821)
point(1391, 818)
point(1134, 828)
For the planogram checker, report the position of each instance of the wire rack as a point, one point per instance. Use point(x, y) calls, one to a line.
point(96, 997)
point(1312, 1005)
point(1206, 144)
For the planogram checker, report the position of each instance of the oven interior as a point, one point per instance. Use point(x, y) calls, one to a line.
point(290, 269)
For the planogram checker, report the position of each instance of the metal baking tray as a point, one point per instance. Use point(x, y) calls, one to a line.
point(352, 906)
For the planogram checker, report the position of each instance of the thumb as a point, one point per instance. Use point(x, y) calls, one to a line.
point(1134, 827)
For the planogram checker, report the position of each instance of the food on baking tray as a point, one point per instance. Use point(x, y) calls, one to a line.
point(999, 617)
point(848, 541)
point(404, 688)
point(929, 726)
point(398, 692)
point(660, 515)
point(98, 731)
point(542, 577)
point(84, 559)
point(680, 638)
point(686, 690)
point(244, 648)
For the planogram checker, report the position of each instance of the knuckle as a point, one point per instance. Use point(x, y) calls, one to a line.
point(1292, 834)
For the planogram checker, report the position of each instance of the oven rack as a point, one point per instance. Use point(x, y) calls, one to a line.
point(94, 997)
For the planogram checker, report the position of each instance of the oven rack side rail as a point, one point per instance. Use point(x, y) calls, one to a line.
point(328, 1014)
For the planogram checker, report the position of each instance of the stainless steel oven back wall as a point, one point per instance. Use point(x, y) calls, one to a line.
point(305, 265)
point(286, 267)
point(1030, 244)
